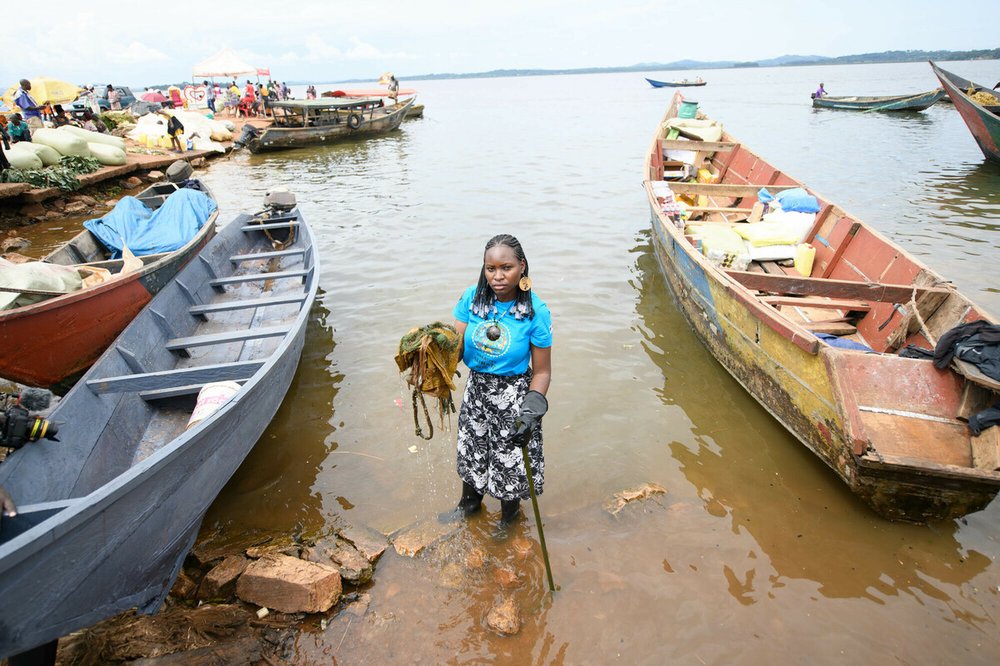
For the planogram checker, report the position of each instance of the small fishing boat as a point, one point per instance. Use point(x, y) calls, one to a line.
point(675, 84)
point(916, 102)
point(107, 515)
point(305, 122)
point(819, 349)
point(983, 120)
point(48, 341)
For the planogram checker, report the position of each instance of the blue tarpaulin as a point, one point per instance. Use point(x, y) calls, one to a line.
point(146, 231)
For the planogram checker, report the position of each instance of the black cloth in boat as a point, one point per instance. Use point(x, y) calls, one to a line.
point(977, 343)
point(989, 417)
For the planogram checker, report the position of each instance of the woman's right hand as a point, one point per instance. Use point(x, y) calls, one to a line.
point(7, 507)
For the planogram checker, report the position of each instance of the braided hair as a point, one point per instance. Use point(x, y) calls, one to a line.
point(485, 300)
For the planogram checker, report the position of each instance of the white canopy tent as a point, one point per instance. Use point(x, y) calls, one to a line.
point(225, 63)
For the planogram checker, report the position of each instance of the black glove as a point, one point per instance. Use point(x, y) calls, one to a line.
point(533, 408)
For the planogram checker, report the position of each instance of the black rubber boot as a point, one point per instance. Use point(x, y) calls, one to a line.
point(510, 510)
point(469, 505)
point(471, 501)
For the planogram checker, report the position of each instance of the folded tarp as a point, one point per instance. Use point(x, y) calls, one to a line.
point(145, 231)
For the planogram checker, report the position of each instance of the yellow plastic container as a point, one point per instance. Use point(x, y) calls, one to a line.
point(804, 257)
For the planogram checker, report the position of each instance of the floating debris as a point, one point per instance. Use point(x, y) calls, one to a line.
point(625, 497)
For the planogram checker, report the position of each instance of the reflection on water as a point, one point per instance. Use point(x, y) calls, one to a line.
point(272, 492)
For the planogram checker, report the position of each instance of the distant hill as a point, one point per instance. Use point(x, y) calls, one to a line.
point(782, 61)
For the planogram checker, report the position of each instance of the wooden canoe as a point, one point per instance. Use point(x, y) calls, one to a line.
point(911, 102)
point(675, 84)
point(308, 122)
point(983, 120)
point(46, 342)
point(107, 514)
point(891, 427)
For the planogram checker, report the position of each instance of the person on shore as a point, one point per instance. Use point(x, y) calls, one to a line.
point(174, 130)
point(114, 98)
point(93, 123)
point(60, 119)
point(393, 88)
point(210, 96)
point(31, 109)
point(18, 129)
point(5, 140)
point(311, 92)
point(505, 334)
point(286, 92)
point(265, 97)
point(820, 92)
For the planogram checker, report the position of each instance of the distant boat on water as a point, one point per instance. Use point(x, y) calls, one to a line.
point(675, 84)
point(909, 102)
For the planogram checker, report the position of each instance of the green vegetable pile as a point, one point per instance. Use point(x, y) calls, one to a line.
point(115, 118)
point(62, 175)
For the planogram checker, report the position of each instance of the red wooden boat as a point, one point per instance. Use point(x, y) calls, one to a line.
point(983, 120)
point(49, 341)
point(893, 428)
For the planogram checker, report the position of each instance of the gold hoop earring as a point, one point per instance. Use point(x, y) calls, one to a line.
point(524, 284)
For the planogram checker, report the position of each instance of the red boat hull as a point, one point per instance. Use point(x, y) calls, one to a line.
point(49, 341)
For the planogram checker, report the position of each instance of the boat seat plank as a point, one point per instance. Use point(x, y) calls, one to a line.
point(175, 391)
point(200, 310)
point(804, 286)
point(974, 375)
point(834, 304)
point(236, 258)
point(699, 146)
point(269, 225)
point(717, 209)
point(830, 327)
point(180, 344)
point(986, 450)
point(252, 277)
point(178, 377)
point(725, 189)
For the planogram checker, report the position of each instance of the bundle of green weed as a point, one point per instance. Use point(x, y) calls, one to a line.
point(412, 341)
point(62, 175)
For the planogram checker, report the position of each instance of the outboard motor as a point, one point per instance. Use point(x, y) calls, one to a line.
point(279, 201)
point(279, 206)
point(249, 133)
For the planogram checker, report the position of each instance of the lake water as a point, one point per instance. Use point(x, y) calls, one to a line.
point(757, 553)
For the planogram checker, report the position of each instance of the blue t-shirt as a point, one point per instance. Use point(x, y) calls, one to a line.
point(510, 354)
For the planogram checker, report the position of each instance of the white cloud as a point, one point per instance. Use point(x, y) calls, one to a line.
point(134, 53)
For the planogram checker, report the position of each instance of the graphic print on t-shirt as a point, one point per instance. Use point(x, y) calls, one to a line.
point(492, 348)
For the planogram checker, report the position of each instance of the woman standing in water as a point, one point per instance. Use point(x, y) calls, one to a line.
point(506, 341)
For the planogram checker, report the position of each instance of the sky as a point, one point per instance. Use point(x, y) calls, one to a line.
point(148, 43)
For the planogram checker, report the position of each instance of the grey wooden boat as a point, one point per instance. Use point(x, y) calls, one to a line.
point(912, 102)
point(107, 514)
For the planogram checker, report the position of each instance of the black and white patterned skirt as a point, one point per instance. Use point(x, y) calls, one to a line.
point(485, 425)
